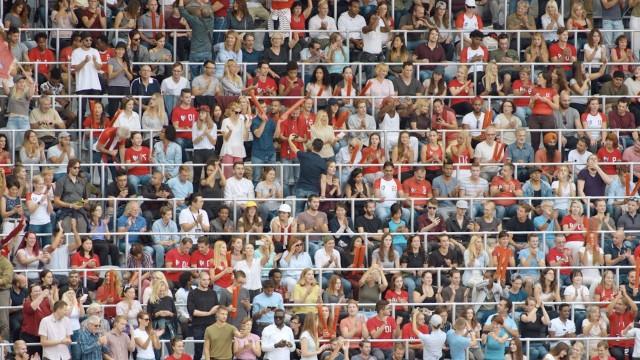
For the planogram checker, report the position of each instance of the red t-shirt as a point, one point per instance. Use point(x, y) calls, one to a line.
point(31, 319)
point(264, 87)
point(576, 229)
point(455, 83)
point(183, 357)
point(201, 260)
point(225, 280)
point(606, 295)
point(281, 4)
point(389, 326)
point(556, 255)
point(183, 120)
point(105, 56)
point(394, 297)
point(177, 260)
point(108, 137)
point(527, 90)
point(407, 332)
point(222, 12)
point(555, 51)
point(305, 121)
point(65, 54)
point(79, 260)
point(417, 189)
point(143, 156)
point(294, 90)
point(614, 155)
point(542, 108)
point(508, 190)
point(43, 57)
point(288, 127)
point(617, 323)
point(367, 153)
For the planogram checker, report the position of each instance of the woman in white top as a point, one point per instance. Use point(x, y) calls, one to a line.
point(595, 52)
point(310, 348)
point(29, 256)
point(234, 132)
point(319, 85)
point(74, 312)
point(591, 255)
point(563, 188)
point(146, 338)
point(551, 20)
point(594, 326)
point(252, 268)
point(63, 17)
point(155, 117)
point(40, 210)
point(475, 257)
point(321, 129)
point(129, 306)
point(204, 134)
point(127, 117)
point(506, 122)
point(633, 82)
point(380, 86)
point(577, 292)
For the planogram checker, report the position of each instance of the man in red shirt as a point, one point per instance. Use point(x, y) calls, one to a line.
point(563, 51)
point(418, 186)
point(306, 118)
point(508, 187)
point(43, 55)
point(288, 125)
point(384, 327)
point(407, 330)
point(138, 154)
point(263, 84)
point(202, 257)
point(179, 258)
point(110, 147)
point(561, 256)
point(183, 117)
point(621, 313)
point(610, 153)
point(523, 87)
point(291, 85)
point(106, 53)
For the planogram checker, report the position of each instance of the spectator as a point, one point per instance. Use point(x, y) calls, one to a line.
point(145, 337)
point(55, 333)
point(85, 61)
point(277, 338)
point(620, 312)
point(119, 343)
point(127, 118)
point(505, 185)
point(92, 341)
point(615, 86)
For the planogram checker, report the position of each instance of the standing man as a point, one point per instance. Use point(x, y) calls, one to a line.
point(183, 117)
point(384, 327)
point(92, 343)
point(86, 63)
point(202, 304)
point(263, 150)
point(277, 339)
point(218, 338)
point(312, 166)
point(55, 333)
point(119, 344)
point(264, 305)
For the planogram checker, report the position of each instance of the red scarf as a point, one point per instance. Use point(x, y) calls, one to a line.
point(156, 24)
point(358, 259)
point(6, 242)
point(234, 301)
point(627, 181)
point(498, 151)
point(503, 255)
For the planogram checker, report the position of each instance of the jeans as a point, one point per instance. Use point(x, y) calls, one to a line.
point(42, 229)
point(219, 23)
point(257, 169)
point(611, 36)
point(157, 252)
point(185, 144)
point(620, 353)
point(17, 122)
point(523, 113)
point(290, 175)
point(136, 180)
point(303, 194)
point(578, 316)
point(106, 250)
point(412, 282)
point(536, 350)
point(509, 211)
point(198, 334)
point(195, 56)
point(384, 213)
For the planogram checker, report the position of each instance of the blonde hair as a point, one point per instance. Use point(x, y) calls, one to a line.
point(237, 45)
point(381, 67)
point(155, 290)
point(158, 109)
point(302, 281)
point(311, 326)
point(551, 4)
point(574, 10)
point(228, 74)
point(219, 259)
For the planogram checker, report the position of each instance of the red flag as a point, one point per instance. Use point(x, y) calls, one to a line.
point(6, 59)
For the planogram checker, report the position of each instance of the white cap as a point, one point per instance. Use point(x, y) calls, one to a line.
point(435, 320)
point(470, 3)
point(462, 204)
point(284, 208)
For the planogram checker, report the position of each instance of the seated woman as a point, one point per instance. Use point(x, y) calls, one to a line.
point(160, 54)
point(132, 221)
point(330, 189)
point(306, 291)
point(414, 257)
point(84, 258)
point(109, 293)
point(250, 222)
point(386, 256)
point(372, 284)
point(139, 155)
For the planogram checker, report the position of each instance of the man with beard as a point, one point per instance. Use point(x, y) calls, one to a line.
point(566, 118)
point(277, 339)
point(550, 154)
point(202, 304)
point(74, 283)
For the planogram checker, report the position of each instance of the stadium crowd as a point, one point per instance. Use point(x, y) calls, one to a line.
point(320, 180)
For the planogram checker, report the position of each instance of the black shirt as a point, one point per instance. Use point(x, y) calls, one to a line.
point(436, 259)
point(369, 225)
point(312, 166)
point(515, 225)
point(149, 192)
point(203, 301)
point(112, 190)
point(414, 260)
point(535, 329)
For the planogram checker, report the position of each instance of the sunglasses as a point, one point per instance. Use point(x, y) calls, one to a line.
point(278, 317)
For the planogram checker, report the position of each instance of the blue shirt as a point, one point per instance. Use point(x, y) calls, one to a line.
point(508, 322)
point(312, 166)
point(393, 227)
point(517, 154)
point(171, 158)
point(139, 224)
point(262, 301)
point(180, 189)
point(160, 231)
point(548, 235)
point(458, 345)
point(523, 254)
point(89, 345)
point(262, 147)
point(251, 57)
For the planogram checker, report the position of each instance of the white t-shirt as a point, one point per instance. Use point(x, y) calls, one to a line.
point(187, 217)
point(433, 344)
point(311, 345)
point(41, 215)
point(372, 41)
point(204, 143)
point(143, 353)
point(561, 329)
point(87, 78)
point(582, 294)
point(475, 124)
point(561, 202)
point(392, 126)
point(580, 159)
point(170, 87)
point(55, 151)
point(634, 333)
point(131, 122)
